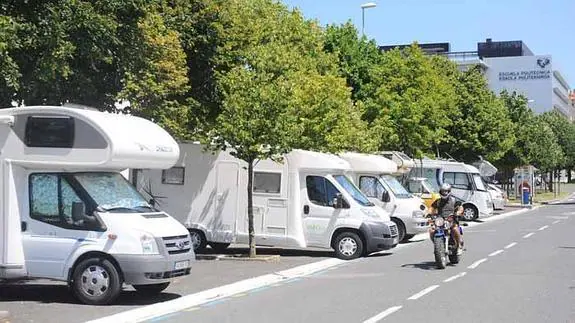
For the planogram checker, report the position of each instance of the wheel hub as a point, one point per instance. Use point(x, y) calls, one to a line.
point(347, 246)
point(95, 281)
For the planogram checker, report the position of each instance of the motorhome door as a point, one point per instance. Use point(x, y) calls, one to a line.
point(319, 214)
point(226, 206)
point(270, 203)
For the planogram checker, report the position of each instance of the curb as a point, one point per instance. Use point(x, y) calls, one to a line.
point(240, 257)
point(157, 310)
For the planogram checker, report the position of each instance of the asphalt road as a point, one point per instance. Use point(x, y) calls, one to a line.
point(516, 269)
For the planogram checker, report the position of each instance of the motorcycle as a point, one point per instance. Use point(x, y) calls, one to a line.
point(443, 242)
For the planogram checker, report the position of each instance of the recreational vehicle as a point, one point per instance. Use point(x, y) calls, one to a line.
point(306, 200)
point(67, 213)
point(466, 182)
point(374, 176)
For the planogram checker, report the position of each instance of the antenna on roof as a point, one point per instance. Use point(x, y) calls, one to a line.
point(451, 157)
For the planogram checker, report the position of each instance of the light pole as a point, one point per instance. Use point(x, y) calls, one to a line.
point(363, 7)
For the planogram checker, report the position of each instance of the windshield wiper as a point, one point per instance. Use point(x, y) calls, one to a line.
point(133, 209)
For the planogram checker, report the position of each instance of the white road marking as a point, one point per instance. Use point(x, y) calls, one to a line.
point(452, 278)
point(477, 263)
point(556, 221)
point(495, 253)
point(383, 314)
point(543, 227)
point(510, 245)
point(528, 235)
point(423, 292)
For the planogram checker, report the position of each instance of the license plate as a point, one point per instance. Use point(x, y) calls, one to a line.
point(182, 265)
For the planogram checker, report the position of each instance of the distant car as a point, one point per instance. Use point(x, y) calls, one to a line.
point(497, 196)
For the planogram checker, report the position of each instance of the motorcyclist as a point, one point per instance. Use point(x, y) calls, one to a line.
point(445, 206)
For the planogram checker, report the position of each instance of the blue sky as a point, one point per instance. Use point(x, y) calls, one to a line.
point(546, 26)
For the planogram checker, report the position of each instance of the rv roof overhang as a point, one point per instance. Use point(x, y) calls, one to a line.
point(370, 163)
point(453, 166)
point(311, 160)
point(128, 142)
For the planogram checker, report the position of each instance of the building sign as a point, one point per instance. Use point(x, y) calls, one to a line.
point(524, 75)
point(538, 72)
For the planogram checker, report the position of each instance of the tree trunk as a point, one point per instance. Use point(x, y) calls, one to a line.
point(568, 174)
point(550, 184)
point(252, 234)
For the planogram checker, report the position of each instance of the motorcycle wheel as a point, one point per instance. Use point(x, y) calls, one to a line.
point(439, 251)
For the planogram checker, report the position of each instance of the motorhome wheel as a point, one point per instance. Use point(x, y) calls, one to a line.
point(470, 213)
point(151, 290)
point(400, 229)
point(348, 245)
point(198, 240)
point(96, 281)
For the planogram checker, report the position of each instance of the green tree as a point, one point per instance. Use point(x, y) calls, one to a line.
point(9, 42)
point(483, 126)
point(565, 133)
point(279, 89)
point(412, 103)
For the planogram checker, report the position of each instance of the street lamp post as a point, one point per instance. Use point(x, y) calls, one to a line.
point(363, 7)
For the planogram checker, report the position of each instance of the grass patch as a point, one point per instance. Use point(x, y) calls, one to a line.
point(544, 197)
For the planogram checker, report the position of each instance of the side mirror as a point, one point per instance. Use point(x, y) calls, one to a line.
point(385, 197)
point(338, 201)
point(78, 211)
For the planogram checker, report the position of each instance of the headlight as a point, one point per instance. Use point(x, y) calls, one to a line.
point(369, 212)
point(417, 214)
point(149, 245)
point(439, 222)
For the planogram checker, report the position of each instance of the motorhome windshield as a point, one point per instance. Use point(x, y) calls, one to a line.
point(113, 193)
point(357, 195)
point(479, 182)
point(395, 186)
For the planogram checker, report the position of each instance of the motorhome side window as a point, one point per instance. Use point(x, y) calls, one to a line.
point(174, 176)
point(371, 187)
point(321, 191)
point(269, 183)
point(457, 180)
point(52, 132)
point(51, 199)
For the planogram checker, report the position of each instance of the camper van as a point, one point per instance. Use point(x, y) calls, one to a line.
point(374, 176)
point(466, 182)
point(306, 200)
point(68, 214)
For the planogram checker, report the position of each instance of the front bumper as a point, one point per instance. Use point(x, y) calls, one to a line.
point(379, 235)
point(416, 225)
point(498, 204)
point(154, 269)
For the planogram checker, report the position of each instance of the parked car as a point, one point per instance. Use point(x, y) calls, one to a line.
point(497, 197)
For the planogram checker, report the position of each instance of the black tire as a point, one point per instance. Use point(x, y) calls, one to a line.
point(96, 281)
point(470, 212)
point(151, 290)
point(219, 246)
point(400, 229)
point(454, 259)
point(439, 252)
point(348, 245)
point(198, 238)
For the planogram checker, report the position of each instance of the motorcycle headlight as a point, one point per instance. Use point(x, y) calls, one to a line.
point(149, 245)
point(439, 222)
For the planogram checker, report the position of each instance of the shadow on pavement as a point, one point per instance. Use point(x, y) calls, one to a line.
point(49, 294)
point(270, 251)
point(426, 265)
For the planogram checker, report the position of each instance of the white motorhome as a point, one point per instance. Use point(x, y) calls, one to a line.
point(304, 201)
point(375, 177)
point(466, 182)
point(68, 214)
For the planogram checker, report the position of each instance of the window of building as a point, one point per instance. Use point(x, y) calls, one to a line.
point(267, 182)
point(53, 132)
point(174, 176)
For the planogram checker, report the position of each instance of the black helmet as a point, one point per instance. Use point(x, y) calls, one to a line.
point(445, 190)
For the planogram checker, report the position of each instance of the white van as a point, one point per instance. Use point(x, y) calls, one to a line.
point(375, 177)
point(305, 201)
point(68, 214)
point(466, 182)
